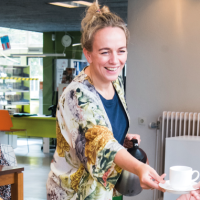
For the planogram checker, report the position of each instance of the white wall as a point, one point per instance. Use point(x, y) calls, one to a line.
point(164, 47)
point(163, 67)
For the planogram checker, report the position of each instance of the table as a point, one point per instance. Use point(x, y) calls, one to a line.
point(37, 126)
point(14, 176)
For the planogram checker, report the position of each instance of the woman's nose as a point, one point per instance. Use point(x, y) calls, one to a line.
point(114, 58)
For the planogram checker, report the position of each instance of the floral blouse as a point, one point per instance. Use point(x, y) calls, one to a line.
point(83, 165)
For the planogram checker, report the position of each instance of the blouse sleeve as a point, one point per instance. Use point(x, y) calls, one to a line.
point(86, 130)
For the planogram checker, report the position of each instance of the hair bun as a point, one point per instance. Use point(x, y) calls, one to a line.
point(91, 13)
point(105, 9)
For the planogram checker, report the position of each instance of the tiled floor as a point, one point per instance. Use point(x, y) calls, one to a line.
point(36, 167)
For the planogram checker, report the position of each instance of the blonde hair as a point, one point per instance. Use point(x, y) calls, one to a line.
point(96, 19)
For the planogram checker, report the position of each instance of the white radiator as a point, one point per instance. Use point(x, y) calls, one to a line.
point(173, 124)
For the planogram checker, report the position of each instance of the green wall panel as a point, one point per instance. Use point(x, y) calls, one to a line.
point(50, 46)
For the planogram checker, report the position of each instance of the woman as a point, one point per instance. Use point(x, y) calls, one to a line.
point(92, 118)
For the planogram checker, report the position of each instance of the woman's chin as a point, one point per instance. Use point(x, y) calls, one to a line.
point(112, 77)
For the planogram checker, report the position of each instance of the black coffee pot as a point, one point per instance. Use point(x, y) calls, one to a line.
point(128, 183)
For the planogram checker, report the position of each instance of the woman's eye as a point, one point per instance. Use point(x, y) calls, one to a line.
point(105, 52)
point(122, 51)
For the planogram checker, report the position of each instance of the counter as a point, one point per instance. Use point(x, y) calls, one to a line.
point(37, 126)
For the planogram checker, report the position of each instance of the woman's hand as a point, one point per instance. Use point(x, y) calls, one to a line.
point(194, 195)
point(129, 136)
point(149, 179)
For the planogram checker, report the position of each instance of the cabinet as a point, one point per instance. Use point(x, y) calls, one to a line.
point(15, 88)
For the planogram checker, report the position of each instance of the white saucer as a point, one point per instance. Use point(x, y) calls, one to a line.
point(169, 189)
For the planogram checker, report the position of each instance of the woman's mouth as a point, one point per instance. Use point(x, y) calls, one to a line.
point(111, 68)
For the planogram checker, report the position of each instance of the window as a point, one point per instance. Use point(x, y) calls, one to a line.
point(20, 39)
point(36, 71)
point(35, 39)
point(6, 61)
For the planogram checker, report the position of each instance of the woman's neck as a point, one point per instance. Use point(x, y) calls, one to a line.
point(106, 89)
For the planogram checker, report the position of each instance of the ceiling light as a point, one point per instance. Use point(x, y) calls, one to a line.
point(76, 44)
point(64, 4)
point(72, 4)
point(40, 55)
point(85, 3)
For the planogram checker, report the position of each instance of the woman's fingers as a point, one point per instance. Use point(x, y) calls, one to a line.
point(161, 189)
point(129, 137)
point(150, 184)
point(149, 179)
point(156, 177)
point(135, 136)
point(163, 176)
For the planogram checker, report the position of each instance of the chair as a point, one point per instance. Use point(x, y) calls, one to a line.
point(7, 158)
point(6, 124)
point(8, 154)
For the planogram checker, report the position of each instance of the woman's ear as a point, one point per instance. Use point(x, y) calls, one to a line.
point(87, 55)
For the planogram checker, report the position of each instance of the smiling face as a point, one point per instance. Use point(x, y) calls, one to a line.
point(109, 54)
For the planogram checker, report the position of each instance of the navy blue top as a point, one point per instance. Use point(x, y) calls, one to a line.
point(117, 117)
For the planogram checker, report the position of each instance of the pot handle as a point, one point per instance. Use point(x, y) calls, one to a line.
point(134, 141)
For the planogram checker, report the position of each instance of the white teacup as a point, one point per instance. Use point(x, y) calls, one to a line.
point(180, 177)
